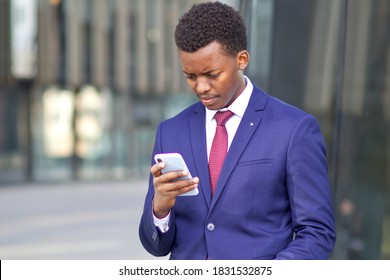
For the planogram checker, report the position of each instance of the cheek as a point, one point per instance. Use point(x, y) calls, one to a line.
point(225, 87)
point(233, 84)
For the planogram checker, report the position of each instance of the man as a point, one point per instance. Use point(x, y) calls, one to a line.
point(272, 199)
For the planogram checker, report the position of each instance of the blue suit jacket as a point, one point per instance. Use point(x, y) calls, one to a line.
point(273, 198)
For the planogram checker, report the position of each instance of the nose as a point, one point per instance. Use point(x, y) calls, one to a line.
point(202, 85)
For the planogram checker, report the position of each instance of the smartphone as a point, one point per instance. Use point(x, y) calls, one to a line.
point(175, 162)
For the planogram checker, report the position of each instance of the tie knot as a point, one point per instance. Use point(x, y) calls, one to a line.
point(222, 117)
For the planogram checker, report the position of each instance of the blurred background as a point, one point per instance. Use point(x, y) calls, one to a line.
point(84, 83)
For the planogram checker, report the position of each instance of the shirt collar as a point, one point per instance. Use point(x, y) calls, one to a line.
point(239, 105)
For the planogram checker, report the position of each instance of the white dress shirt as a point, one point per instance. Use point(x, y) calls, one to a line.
point(238, 107)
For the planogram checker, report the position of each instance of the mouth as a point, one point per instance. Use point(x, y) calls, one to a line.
point(207, 100)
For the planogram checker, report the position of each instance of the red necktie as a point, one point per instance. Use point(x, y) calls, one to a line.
point(218, 148)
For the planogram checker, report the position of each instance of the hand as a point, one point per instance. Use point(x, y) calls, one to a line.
point(166, 190)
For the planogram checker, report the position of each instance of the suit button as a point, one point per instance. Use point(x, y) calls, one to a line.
point(210, 227)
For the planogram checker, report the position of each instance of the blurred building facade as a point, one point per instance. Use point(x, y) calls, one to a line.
point(83, 84)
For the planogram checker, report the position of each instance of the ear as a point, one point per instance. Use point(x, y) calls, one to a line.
point(243, 59)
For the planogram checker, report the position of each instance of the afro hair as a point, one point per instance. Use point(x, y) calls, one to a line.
point(207, 22)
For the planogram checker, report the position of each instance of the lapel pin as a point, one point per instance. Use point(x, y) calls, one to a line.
point(251, 124)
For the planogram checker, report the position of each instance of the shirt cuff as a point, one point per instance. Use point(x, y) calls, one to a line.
point(162, 224)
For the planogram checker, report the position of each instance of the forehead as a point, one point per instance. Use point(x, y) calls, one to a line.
point(207, 58)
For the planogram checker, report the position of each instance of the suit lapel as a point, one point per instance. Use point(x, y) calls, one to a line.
point(199, 150)
point(248, 125)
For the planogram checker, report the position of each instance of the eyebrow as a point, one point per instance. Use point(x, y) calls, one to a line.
point(204, 73)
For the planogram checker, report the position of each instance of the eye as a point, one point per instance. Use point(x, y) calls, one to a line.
point(190, 77)
point(213, 76)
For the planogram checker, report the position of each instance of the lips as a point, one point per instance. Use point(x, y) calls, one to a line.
point(207, 100)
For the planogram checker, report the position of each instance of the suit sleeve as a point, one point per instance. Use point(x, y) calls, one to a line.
point(309, 193)
point(152, 238)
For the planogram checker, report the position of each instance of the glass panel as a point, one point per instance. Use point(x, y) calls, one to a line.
point(13, 153)
point(307, 68)
point(363, 181)
point(52, 131)
point(92, 127)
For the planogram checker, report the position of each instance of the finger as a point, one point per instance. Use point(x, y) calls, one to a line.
point(173, 175)
point(182, 186)
point(186, 189)
point(156, 169)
